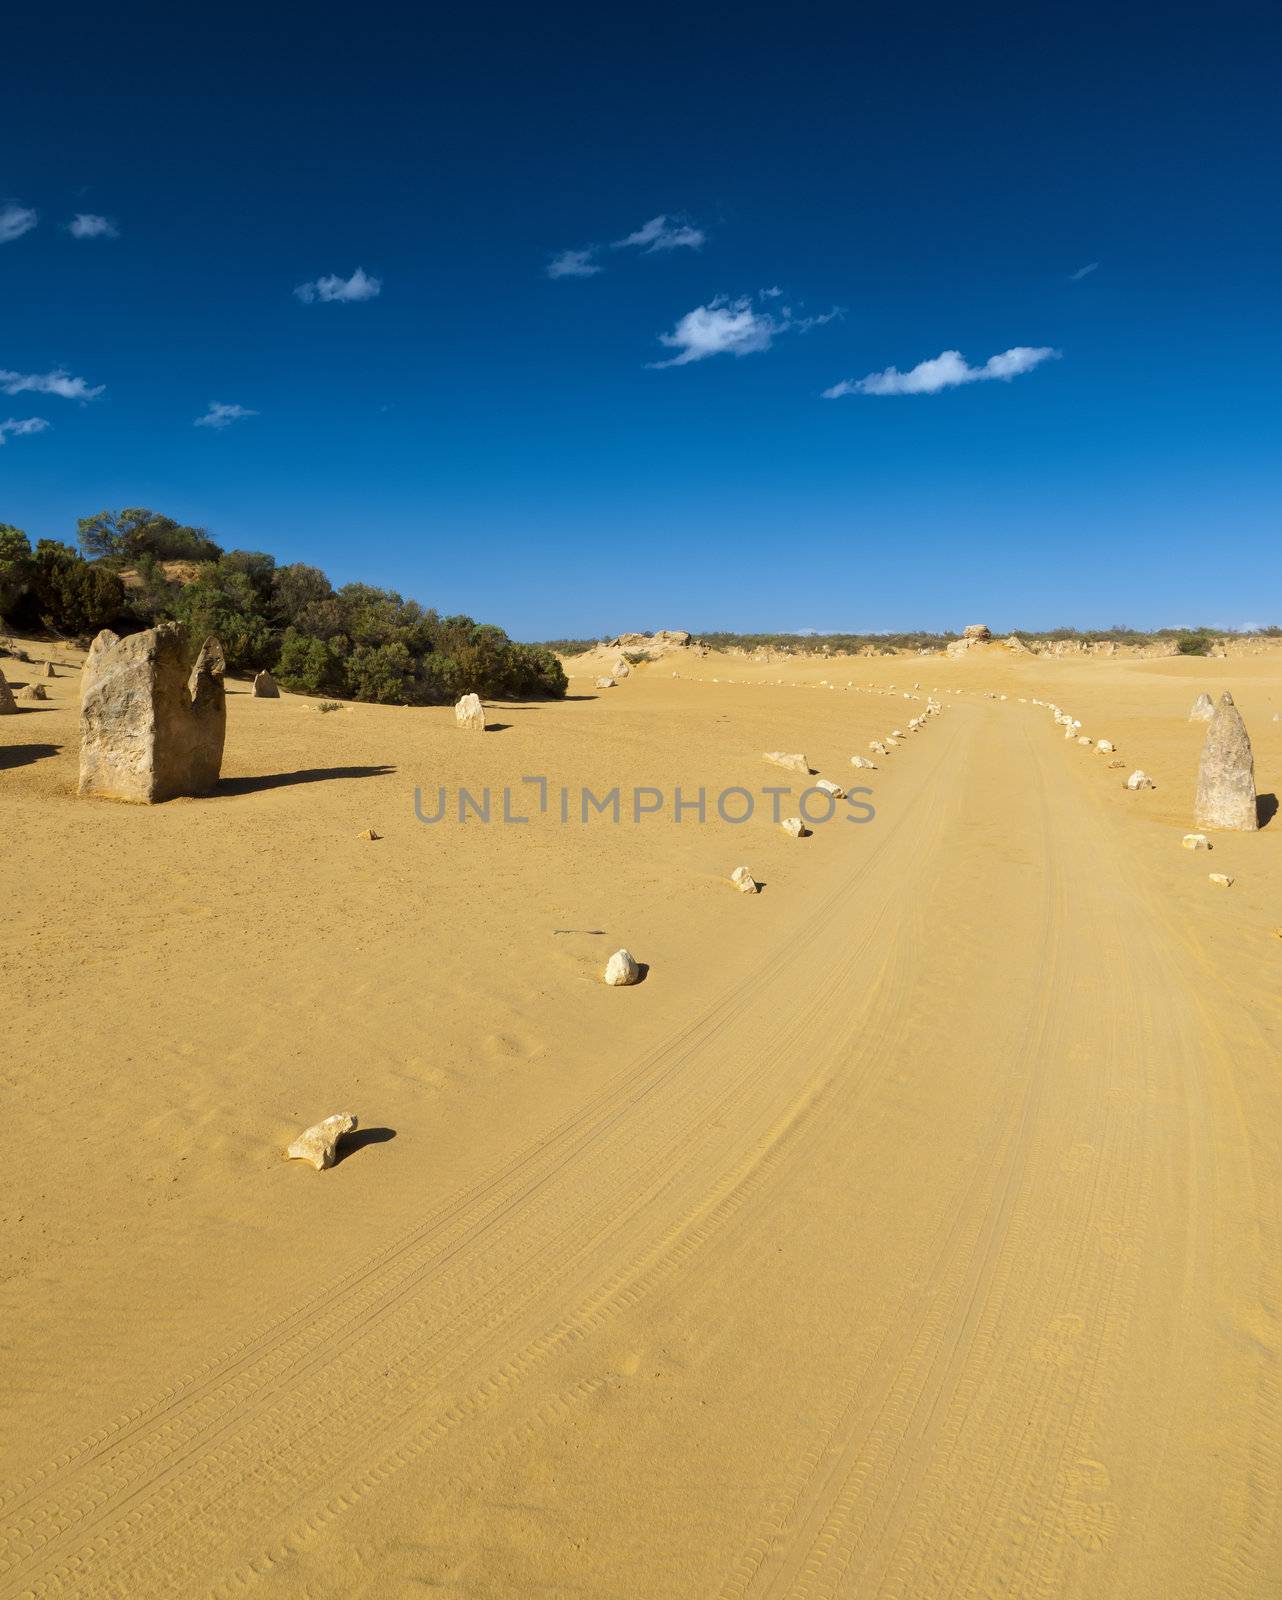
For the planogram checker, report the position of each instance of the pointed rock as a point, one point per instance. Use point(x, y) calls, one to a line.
point(621, 970)
point(34, 691)
point(744, 881)
point(1226, 775)
point(265, 687)
point(796, 827)
point(8, 706)
point(469, 713)
point(319, 1143)
point(1202, 709)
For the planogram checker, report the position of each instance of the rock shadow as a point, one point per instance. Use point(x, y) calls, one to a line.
point(350, 1143)
point(284, 780)
point(1266, 808)
point(22, 755)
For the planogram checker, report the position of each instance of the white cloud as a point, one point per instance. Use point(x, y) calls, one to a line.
point(15, 220)
point(663, 233)
point(222, 416)
point(1083, 272)
point(946, 371)
point(732, 327)
point(59, 382)
point(574, 264)
point(19, 427)
point(358, 287)
point(85, 225)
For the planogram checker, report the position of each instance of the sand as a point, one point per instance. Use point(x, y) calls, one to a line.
point(911, 1230)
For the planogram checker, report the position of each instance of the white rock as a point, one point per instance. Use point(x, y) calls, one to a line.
point(621, 969)
point(829, 787)
point(1082, 739)
point(620, 668)
point(470, 713)
point(795, 826)
point(604, 683)
point(1195, 841)
point(1107, 746)
point(1220, 879)
point(319, 1142)
point(877, 747)
point(793, 763)
point(1202, 709)
point(892, 743)
point(1139, 779)
point(744, 881)
point(863, 761)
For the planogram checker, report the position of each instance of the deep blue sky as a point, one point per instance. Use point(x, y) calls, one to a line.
point(489, 439)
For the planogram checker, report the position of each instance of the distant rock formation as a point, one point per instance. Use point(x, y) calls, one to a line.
point(653, 645)
point(1203, 708)
point(150, 728)
point(978, 631)
point(1226, 773)
point(265, 687)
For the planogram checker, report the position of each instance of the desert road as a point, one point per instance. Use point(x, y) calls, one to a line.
point(935, 1255)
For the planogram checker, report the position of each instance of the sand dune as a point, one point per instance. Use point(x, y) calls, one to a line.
point(912, 1230)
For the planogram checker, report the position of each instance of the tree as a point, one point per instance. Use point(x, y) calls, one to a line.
point(127, 535)
point(70, 595)
point(15, 566)
point(226, 603)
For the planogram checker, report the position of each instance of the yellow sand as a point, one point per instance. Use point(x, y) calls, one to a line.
point(912, 1229)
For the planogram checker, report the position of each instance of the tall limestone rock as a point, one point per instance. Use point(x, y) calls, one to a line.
point(151, 725)
point(1203, 708)
point(8, 706)
point(1226, 774)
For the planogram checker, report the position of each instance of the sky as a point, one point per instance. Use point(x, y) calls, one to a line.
point(590, 319)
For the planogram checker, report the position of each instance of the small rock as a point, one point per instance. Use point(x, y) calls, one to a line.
point(796, 827)
point(318, 1143)
point(793, 763)
point(604, 683)
point(1082, 739)
point(1221, 880)
point(744, 881)
point(621, 970)
point(831, 788)
point(33, 691)
point(1139, 779)
point(863, 761)
point(621, 669)
point(1106, 746)
point(265, 687)
point(1195, 841)
point(1113, 764)
point(1203, 709)
point(370, 835)
point(469, 713)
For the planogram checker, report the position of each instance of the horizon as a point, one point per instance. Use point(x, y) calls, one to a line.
point(561, 323)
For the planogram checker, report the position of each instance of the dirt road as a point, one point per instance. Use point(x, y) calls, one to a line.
point(937, 1257)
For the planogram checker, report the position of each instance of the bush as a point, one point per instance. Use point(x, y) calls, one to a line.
point(127, 535)
point(1193, 644)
